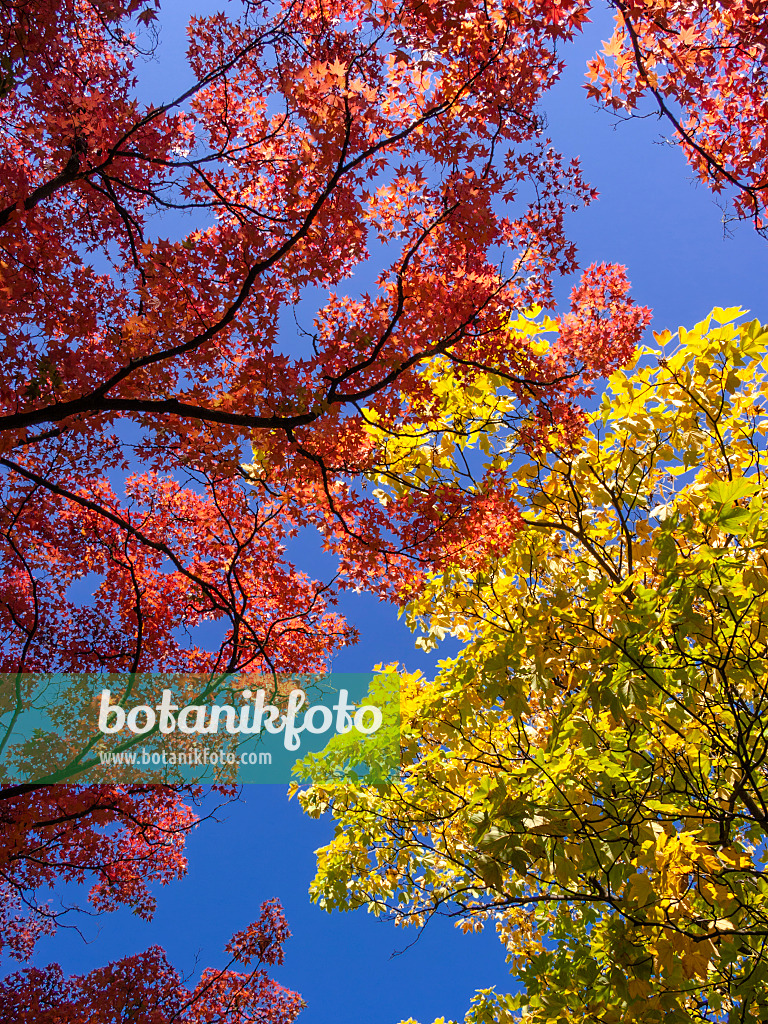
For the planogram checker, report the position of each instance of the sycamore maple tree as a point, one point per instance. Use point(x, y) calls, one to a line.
point(589, 775)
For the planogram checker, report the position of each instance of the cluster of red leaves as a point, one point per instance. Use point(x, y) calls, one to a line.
point(120, 839)
point(703, 64)
point(603, 323)
point(168, 561)
point(146, 989)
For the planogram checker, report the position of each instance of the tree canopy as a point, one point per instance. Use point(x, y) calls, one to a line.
point(150, 357)
point(165, 426)
point(589, 776)
point(171, 417)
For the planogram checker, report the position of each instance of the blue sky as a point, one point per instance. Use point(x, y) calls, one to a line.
point(668, 232)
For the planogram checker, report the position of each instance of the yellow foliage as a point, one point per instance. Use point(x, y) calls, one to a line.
point(589, 773)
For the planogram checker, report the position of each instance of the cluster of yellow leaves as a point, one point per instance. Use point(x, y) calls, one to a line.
point(589, 774)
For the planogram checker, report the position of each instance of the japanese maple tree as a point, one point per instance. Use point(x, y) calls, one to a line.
point(140, 370)
point(141, 367)
point(121, 840)
point(146, 989)
point(701, 65)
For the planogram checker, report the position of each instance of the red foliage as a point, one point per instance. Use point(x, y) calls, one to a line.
point(146, 989)
point(314, 135)
point(603, 324)
point(703, 65)
point(118, 839)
